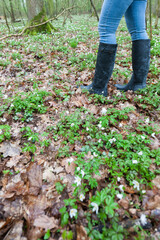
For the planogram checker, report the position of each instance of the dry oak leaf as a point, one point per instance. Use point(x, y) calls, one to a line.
point(69, 167)
point(46, 222)
point(154, 203)
point(124, 203)
point(13, 161)
point(155, 144)
point(16, 232)
point(16, 185)
point(35, 178)
point(81, 233)
point(9, 150)
point(156, 181)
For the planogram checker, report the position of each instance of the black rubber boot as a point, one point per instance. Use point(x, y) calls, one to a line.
point(104, 67)
point(140, 64)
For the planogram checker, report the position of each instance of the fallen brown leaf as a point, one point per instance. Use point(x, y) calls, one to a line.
point(35, 179)
point(45, 222)
point(9, 150)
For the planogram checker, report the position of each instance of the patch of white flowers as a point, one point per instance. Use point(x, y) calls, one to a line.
point(77, 180)
point(112, 140)
point(70, 160)
point(100, 126)
point(121, 188)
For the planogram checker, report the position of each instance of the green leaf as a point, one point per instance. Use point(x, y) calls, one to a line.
point(47, 235)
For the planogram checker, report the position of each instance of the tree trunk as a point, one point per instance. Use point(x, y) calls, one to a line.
point(36, 15)
point(150, 18)
point(157, 13)
point(95, 11)
point(12, 11)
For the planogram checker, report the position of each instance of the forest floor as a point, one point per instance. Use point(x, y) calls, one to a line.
point(74, 165)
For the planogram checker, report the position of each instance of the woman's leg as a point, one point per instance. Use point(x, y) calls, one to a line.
point(135, 19)
point(111, 14)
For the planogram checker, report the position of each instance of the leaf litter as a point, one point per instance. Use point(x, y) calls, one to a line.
point(29, 200)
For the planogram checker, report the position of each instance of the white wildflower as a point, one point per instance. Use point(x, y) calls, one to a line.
point(118, 179)
point(147, 120)
point(143, 191)
point(3, 119)
point(143, 219)
point(139, 96)
point(153, 135)
point(134, 161)
point(95, 207)
point(120, 125)
point(5, 96)
point(118, 93)
point(70, 160)
point(121, 188)
point(119, 196)
point(73, 212)
point(143, 137)
point(1, 131)
point(140, 153)
point(77, 180)
point(100, 126)
point(67, 112)
point(112, 140)
point(95, 155)
point(87, 129)
point(78, 168)
point(112, 131)
point(136, 185)
point(83, 173)
point(81, 197)
point(100, 140)
point(72, 124)
point(89, 137)
point(103, 111)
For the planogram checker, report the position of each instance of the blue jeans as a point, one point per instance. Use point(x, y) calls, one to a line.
point(111, 14)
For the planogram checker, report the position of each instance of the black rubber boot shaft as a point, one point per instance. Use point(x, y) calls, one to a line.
point(140, 64)
point(104, 68)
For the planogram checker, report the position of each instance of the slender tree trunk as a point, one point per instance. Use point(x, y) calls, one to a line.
point(157, 13)
point(150, 18)
point(95, 11)
point(12, 11)
point(5, 16)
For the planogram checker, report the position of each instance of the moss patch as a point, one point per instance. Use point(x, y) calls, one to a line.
point(40, 18)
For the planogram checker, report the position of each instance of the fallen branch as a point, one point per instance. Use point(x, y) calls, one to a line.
point(29, 27)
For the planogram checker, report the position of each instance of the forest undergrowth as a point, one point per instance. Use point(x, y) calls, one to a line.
point(74, 165)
